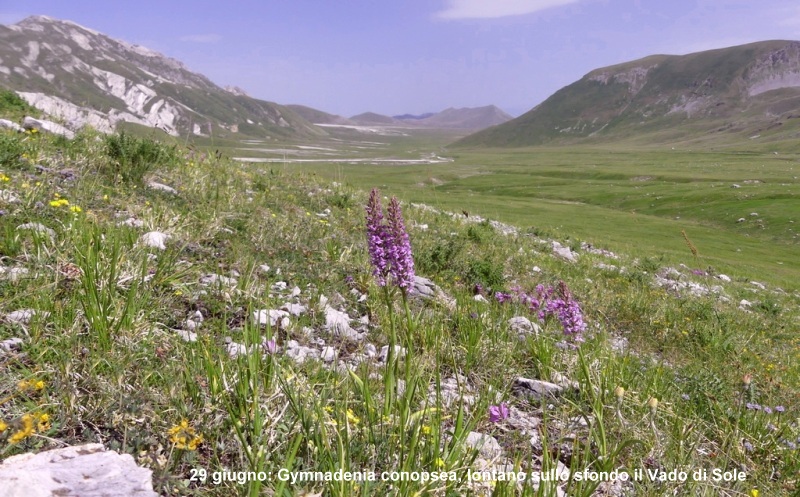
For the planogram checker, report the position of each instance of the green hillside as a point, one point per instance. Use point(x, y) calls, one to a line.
point(724, 95)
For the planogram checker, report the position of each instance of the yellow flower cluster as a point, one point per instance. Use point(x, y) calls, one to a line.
point(31, 385)
point(184, 436)
point(25, 426)
point(59, 203)
point(4, 178)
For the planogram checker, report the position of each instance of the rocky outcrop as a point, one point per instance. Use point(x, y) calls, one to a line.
point(83, 470)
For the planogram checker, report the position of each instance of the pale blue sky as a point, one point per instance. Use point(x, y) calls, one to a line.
point(415, 56)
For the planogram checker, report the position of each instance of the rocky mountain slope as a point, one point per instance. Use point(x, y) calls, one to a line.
point(741, 92)
point(86, 77)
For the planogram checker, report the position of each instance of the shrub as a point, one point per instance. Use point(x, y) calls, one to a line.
point(132, 158)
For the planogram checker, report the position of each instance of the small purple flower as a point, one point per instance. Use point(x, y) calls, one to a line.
point(791, 445)
point(748, 447)
point(502, 297)
point(402, 262)
point(498, 413)
point(377, 238)
point(685, 396)
point(699, 272)
point(753, 406)
point(767, 409)
point(779, 408)
point(271, 346)
point(473, 315)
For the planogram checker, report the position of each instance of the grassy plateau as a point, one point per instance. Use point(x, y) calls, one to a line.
point(227, 333)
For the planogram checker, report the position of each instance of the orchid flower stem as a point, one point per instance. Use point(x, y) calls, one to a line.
point(390, 377)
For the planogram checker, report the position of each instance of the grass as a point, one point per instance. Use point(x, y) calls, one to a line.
point(662, 382)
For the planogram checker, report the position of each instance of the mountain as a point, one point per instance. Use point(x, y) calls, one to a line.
point(372, 119)
point(735, 93)
point(86, 77)
point(413, 117)
point(466, 118)
point(317, 116)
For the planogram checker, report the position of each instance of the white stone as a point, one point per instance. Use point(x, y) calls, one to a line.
point(725, 278)
point(564, 252)
point(236, 349)
point(523, 326)
point(155, 239)
point(399, 353)
point(480, 298)
point(270, 316)
point(294, 309)
point(154, 185)
point(487, 445)
point(24, 316)
point(5, 123)
point(39, 228)
point(49, 126)
point(212, 279)
point(132, 222)
point(10, 345)
point(8, 197)
point(186, 335)
point(328, 354)
point(13, 274)
point(82, 470)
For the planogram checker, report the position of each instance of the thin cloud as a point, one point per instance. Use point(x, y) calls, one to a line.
point(206, 38)
point(483, 9)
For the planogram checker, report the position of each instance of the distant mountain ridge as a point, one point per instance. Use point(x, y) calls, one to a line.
point(86, 77)
point(468, 118)
point(741, 92)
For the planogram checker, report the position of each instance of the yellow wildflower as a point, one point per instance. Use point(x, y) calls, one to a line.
point(184, 436)
point(4, 178)
point(3, 426)
point(25, 430)
point(30, 385)
point(426, 430)
point(439, 462)
point(351, 417)
point(43, 423)
point(76, 209)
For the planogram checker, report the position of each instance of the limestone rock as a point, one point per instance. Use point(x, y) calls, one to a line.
point(155, 239)
point(212, 279)
point(83, 470)
point(49, 126)
point(154, 185)
point(536, 389)
point(5, 123)
point(428, 290)
point(24, 316)
point(8, 197)
point(38, 228)
point(10, 345)
point(487, 445)
point(523, 326)
point(564, 252)
point(273, 317)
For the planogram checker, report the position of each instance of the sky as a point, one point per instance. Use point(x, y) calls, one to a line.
point(415, 56)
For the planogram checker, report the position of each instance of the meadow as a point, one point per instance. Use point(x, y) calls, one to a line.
point(251, 334)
